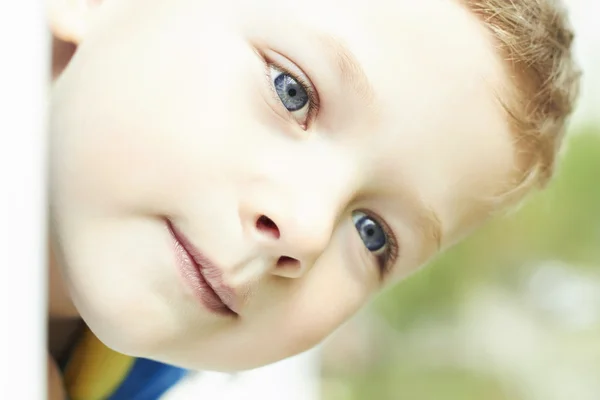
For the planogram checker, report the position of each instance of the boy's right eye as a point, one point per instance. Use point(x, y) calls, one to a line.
point(295, 92)
point(291, 92)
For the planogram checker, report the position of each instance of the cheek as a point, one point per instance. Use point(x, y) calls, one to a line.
point(331, 295)
point(135, 134)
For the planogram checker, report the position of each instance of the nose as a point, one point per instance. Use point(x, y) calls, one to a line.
point(291, 201)
point(295, 236)
point(292, 228)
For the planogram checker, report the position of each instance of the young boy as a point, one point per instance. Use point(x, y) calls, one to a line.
point(231, 181)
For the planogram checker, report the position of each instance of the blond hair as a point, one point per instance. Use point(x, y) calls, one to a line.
point(535, 39)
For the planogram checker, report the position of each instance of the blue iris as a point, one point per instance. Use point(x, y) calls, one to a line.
point(371, 233)
point(292, 94)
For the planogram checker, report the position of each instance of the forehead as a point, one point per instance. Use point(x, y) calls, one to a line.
point(434, 123)
point(439, 80)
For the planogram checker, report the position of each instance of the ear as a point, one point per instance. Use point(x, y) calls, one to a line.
point(69, 19)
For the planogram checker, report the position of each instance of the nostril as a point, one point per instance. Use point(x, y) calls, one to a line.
point(266, 225)
point(287, 262)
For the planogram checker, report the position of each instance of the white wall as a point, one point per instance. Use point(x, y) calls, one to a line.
point(22, 144)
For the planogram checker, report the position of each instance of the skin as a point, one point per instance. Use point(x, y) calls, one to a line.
point(167, 109)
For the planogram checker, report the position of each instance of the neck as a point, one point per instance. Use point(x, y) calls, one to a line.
point(59, 300)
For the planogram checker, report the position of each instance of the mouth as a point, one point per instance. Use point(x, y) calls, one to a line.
point(202, 276)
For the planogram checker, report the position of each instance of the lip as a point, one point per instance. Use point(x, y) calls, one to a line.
point(202, 276)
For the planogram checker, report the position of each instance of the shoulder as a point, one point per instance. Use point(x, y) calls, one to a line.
point(95, 371)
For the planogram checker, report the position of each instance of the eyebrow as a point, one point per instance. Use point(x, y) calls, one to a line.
point(430, 226)
point(350, 69)
point(429, 231)
point(427, 223)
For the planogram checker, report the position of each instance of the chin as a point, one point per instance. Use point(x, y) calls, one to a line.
point(137, 334)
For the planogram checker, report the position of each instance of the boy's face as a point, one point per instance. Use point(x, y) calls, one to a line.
point(192, 116)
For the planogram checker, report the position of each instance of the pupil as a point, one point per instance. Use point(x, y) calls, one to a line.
point(372, 234)
point(290, 92)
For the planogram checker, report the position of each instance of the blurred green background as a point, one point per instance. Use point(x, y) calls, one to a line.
point(511, 313)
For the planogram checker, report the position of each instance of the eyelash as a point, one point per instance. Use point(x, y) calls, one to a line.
point(388, 258)
point(313, 98)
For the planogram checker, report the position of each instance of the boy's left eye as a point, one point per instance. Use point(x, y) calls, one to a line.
point(378, 238)
point(295, 93)
point(371, 233)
